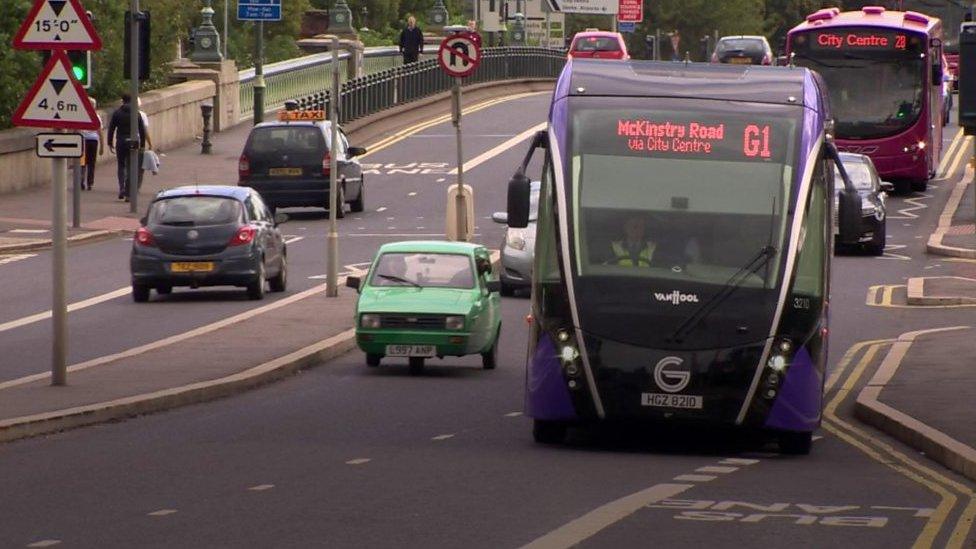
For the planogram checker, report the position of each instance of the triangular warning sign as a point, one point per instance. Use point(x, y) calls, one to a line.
point(57, 24)
point(57, 100)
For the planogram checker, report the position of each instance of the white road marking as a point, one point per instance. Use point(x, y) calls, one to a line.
point(421, 228)
point(161, 513)
point(412, 194)
point(442, 437)
point(739, 461)
point(513, 414)
point(45, 543)
point(716, 469)
point(291, 239)
point(694, 478)
point(391, 228)
point(817, 437)
point(390, 218)
point(492, 153)
point(381, 209)
point(20, 322)
point(590, 524)
point(261, 487)
point(420, 217)
point(358, 461)
point(5, 259)
point(29, 231)
point(441, 180)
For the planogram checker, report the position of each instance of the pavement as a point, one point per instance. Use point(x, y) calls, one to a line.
point(922, 392)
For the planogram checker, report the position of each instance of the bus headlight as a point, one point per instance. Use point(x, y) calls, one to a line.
point(454, 323)
point(368, 321)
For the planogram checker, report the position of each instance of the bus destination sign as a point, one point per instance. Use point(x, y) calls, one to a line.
point(863, 39)
point(723, 140)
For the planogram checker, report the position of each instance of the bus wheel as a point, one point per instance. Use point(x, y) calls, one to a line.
point(797, 444)
point(920, 186)
point(548, 432)
point(416, 365)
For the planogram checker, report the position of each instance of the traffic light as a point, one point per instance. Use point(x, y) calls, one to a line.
point(144, 33)
point(81, 67)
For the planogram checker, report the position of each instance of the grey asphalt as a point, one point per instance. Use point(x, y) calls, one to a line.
point(282, 466)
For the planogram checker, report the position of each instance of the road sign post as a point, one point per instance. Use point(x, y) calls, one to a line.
point(459, 55)
point(134, 112)
point(58, 101)
point(332, 240)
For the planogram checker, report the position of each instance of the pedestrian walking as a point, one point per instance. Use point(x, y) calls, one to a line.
point(119, 137)
point(411, 41)
point(94, 147)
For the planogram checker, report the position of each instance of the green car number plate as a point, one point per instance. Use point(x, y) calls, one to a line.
point(411, 350)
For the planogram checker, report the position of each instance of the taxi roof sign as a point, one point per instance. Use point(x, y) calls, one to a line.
point(301, 116)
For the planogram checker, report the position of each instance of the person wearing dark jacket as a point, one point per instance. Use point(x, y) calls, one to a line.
point(118, 137)
point(411, 41)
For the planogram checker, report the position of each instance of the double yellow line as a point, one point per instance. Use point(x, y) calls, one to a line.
point(948, 490)
point(954, 154)
point(395, 138)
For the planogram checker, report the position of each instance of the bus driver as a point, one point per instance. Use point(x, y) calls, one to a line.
point(634, 250)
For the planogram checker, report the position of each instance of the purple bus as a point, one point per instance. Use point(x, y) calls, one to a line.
point(683, 248)
point(884, 75)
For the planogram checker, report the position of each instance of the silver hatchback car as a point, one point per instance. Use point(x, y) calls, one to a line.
point(518, 250)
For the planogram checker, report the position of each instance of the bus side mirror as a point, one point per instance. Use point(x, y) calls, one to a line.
point(518, 201)
point(849, 216)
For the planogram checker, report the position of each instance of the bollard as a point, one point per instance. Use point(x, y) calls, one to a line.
point(206, 110)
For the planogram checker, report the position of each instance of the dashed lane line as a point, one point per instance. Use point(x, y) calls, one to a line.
point(161, 512)
point(739, 461)
point(45, 543)
point(27, 320)
point(8, 259)
point(442, 437)
point(358, 461)
point(694, 478)
point(723, 470)
point(513, 414)
point(261, 487)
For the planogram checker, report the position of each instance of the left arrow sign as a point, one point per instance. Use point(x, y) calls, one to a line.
point(60, 145)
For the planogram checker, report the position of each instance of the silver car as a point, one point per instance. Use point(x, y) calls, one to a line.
point(518, 249)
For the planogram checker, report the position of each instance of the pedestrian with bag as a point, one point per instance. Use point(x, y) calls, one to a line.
point(146, 155)
point(411, 41)
point(94, 147)
point(119, 136)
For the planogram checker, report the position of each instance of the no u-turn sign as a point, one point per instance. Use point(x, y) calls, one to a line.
point(460, 54)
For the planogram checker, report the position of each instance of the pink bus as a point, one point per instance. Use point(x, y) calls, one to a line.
point(883, 70)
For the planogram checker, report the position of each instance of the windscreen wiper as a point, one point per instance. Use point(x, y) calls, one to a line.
point(755, 263)
point(396, 278)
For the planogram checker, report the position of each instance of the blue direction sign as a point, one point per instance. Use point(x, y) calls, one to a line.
point(625, 26)
point(259, 10)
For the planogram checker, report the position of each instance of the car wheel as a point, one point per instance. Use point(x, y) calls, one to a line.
point(255, 290)
point(416, 365)
point(548, 432)
point(920, 186)
point(140, 293)
point(164, 290)
point(490, 359)
point(507, 289)
point(877, 246)
point(373, 360)
point(797, 444)
point(279, 282)
point(359, 205)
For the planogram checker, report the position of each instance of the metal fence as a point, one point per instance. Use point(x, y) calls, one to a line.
point(387, 88)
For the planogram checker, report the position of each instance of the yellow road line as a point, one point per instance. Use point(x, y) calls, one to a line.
point(846, 360)
point(950, 152)
point(960, 154)
point(963, 525)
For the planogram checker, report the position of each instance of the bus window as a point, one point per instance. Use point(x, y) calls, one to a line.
point(811, 257)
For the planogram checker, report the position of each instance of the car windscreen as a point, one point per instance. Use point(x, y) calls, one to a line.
point(425, 270)
point(296, 139)
point(195, 211)
point(596, 43)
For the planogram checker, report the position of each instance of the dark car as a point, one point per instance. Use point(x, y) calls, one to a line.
point(873, 192)
point(288, 162)
point(743, 50)
point(216, 235)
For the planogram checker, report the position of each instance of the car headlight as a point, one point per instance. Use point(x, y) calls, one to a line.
point(454, 323)
point(369, 321)
point(515, 239)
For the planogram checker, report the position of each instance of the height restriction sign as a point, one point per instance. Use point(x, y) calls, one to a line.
point(57, 100)
point(460, 54)
point(57, 25)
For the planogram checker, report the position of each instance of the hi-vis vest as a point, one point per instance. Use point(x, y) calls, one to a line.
point(622, 257)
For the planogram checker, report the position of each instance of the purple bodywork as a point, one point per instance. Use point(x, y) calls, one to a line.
point(798, 406)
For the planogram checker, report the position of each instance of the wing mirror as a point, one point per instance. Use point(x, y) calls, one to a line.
point(518, 201)
point(849, 216)
point(887, 187)
point(494, 286)
point(484, 265)
point(354, 282)
point(500, 217)
point(355, 151)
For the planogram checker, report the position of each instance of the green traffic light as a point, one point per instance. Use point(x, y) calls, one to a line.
point(79, 73)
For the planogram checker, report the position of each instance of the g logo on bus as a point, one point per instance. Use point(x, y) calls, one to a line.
point(670, 375)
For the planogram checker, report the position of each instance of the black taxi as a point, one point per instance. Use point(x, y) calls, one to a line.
point(288, 162)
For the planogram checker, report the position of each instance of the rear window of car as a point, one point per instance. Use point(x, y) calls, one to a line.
point(424, 269)
point(297, 139)
point(596, 43)
point(195, 211)
point(743, 44)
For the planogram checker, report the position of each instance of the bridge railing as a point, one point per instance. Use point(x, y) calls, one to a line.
point(405, 83)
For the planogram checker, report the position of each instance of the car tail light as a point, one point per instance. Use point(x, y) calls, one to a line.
point(144, 237)
point(767, 60)
point(326, 163)
point(243, 167)
point(244, 235)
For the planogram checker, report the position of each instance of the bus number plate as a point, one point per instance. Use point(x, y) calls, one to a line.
point(660, 400)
